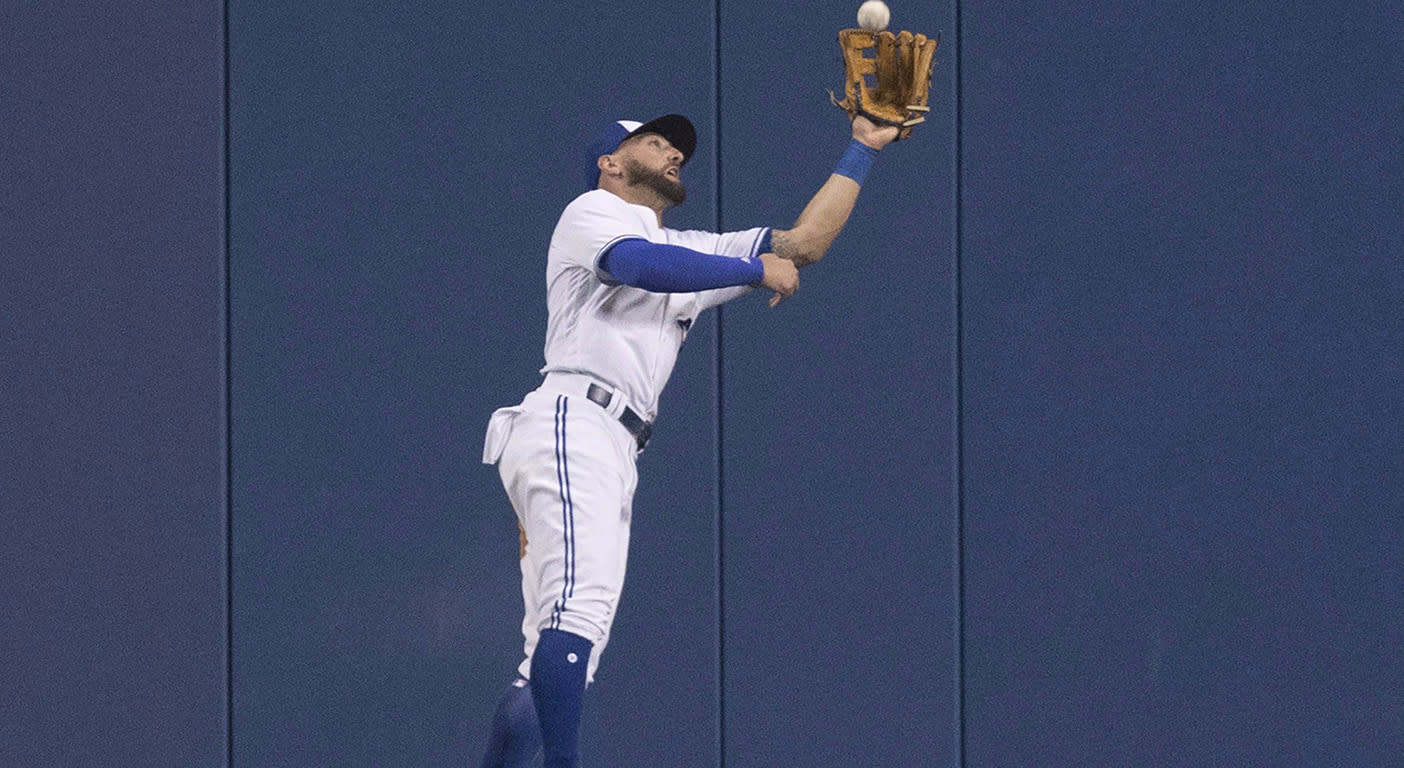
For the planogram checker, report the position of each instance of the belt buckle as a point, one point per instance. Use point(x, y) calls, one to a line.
point(640, 429)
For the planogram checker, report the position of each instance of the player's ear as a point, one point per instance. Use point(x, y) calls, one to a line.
point(609, 165)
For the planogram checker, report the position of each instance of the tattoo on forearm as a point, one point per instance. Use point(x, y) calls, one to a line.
point(784, 247)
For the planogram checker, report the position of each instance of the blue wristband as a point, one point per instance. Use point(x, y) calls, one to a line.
point(856, 161)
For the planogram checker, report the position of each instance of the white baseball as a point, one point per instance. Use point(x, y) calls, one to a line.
point(873, 15)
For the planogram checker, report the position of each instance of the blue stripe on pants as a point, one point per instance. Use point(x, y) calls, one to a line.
point(567, 510)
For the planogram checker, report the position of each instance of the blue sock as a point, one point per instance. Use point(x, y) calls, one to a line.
point(516, 737)
point(558, 687)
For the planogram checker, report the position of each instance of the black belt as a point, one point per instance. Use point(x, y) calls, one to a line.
point(640, 429)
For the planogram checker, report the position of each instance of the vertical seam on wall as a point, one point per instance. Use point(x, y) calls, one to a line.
point(720, 402)
point(959, 415)
point(228, 436)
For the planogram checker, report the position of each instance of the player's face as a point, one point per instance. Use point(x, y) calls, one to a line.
point(651, 161)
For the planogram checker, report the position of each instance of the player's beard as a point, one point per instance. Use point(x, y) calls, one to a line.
point(640, 175)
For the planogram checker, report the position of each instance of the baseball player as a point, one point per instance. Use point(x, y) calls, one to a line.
point(622, 292)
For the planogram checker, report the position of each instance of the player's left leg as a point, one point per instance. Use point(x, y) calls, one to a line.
point(558, 689)
point(570, 477)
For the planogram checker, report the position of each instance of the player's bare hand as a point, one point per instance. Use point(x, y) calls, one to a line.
point(872, 134)
point(781, 276)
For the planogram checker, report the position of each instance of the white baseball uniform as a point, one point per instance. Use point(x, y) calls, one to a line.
point(568, 463)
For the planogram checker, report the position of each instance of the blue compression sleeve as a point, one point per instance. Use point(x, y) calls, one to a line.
point(856, 161)
point(558, 668)
point(674, 269)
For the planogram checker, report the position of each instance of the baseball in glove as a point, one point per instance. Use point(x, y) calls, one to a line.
point(887, 77)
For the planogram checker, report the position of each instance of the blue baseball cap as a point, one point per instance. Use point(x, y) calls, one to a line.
point(675, 128)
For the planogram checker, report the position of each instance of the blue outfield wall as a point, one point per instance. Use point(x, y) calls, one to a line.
point(1079, 448)
point(112, 499)
point(837, 429)
point(395, 183)
point(1182, 265)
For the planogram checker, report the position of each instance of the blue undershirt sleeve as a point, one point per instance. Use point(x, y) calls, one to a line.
point(662, 268)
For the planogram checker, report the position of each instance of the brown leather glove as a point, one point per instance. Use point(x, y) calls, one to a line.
point(900, 70)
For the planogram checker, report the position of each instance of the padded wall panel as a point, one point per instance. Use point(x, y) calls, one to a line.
point(838, 414)
point(397, 172)
point(1182, 279)
point(112, 514)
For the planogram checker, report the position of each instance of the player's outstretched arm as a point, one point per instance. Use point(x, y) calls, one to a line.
point(823, 218)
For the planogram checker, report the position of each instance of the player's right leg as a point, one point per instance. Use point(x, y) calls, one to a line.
point(515, 741)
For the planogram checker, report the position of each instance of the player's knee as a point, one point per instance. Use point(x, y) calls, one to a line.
point(591, 628)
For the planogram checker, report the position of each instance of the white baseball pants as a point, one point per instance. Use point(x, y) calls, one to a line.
point(569, 469)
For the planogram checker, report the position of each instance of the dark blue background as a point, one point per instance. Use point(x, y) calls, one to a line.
point(1183, 263)
point(112, 500)
point(1081, 447)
